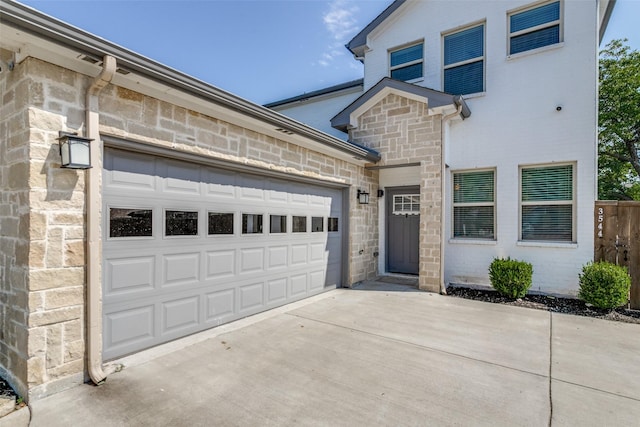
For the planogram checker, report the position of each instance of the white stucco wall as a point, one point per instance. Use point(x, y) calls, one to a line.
point(514, 123)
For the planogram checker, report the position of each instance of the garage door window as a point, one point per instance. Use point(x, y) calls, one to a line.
point(251, 223)
point(332, 224)
point(181, 223)
point(278, 224)
point(220, 223)
point(299, 224)
point(317, 224)
point(126, 222)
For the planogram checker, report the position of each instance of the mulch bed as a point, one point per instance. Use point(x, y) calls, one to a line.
point(548, 303)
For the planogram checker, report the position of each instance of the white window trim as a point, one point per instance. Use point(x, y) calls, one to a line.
point(406, 212)
point(559, 22)
point(407, 64)
point(493, 204)
point(482, 58)
point(573, 203)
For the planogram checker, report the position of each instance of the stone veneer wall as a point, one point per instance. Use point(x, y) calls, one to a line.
point(43, 208)
point(403, 132)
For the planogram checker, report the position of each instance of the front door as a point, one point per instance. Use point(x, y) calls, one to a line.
point(403, 229)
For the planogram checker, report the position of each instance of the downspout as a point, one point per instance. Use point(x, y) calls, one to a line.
point(93, 206)
point(443, 206)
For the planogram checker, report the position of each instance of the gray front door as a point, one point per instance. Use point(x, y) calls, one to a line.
point(403, 229)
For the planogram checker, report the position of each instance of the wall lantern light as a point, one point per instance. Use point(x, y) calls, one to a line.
point(380, 192)
point(363, 197)
point(75, 151)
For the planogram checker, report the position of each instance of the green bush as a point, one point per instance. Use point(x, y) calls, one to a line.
point(604, 285)
point(510, 277)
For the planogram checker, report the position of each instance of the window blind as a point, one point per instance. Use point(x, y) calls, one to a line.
point(408, 54)
point(534, 17)
point(473, 205)
point(464, 61)
point(464, 45)
point(547, 184)
point(547, 203)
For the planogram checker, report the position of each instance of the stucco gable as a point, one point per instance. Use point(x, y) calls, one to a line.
point(437, 102)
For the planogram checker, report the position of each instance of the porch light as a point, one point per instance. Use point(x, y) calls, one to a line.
point(363, 197)
point(75, 151)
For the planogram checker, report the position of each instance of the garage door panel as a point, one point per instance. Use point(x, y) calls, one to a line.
point(180, 178)
point(158, 288)
point(221, 263)
point(276, 291)
point(129, 329)
point(129, 275)
point(133, 171)
point(251, 296)
point(299, 254)
point(316, 280)
point(317, 252)
point(298, 285)
point(220, 305)
point(181, 269)
point(180, 314)
point(220, 184)
point(277, 257)
point(251, 260)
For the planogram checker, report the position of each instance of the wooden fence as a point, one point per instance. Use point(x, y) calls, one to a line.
point(617, 239)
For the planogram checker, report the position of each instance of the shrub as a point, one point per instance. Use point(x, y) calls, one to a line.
point(510, 277)
point(604, 285)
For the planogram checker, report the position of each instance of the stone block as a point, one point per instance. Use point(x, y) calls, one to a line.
point(54, 354)
point(63, 297)
point(66, 369)
point(73, 350)
point(55, 278)
point(37, 342)
point(51, 317)
point(74, 254)
point(36, 370)
point(37, 225)
point(73, 330)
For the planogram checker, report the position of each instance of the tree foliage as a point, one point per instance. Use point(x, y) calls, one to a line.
point(619, 123)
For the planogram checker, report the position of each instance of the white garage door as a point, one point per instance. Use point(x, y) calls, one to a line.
point(187, 247)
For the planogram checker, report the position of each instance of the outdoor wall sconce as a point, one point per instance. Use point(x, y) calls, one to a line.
point(363, 197)
point(75, 151)
point(380, 192)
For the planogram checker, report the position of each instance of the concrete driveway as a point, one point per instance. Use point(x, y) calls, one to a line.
point(363, 358)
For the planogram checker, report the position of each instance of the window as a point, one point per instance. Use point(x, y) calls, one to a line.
point(125, 222)
point(181, 223)
point(534, 27)
point(474, 205)
point(278, 224)
point(406, 63)
point(251, 223)
point(406, 204)
point(299, 224)
point(464, 61)
point(220, 223)
point(317, 224)
point(547, 203)
point(332, 224)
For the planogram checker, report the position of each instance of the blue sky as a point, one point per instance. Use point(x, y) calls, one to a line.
point(261, 50)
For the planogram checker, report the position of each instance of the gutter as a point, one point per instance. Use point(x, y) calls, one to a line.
point(460, 103)
point(93, 208)
point(35, 22)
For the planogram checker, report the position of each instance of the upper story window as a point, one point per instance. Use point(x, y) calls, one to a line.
point(547, 200)
point(406, 63)
point(464, 61)
point(474, 207)
point(534, 27)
